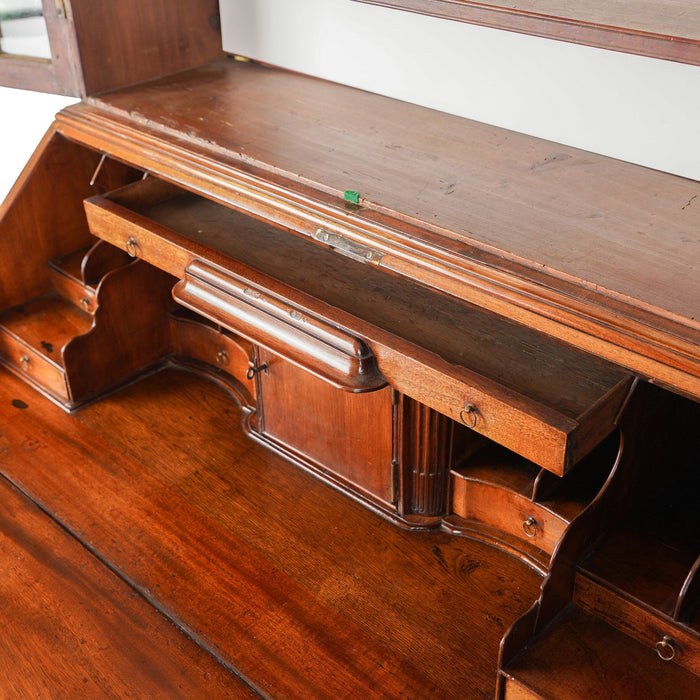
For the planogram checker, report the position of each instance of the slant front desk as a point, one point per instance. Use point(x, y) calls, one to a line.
point(365, 398)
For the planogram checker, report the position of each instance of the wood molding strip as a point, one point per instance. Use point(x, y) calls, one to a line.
point(575, 31)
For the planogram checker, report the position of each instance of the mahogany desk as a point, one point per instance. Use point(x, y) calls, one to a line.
point(363, 398)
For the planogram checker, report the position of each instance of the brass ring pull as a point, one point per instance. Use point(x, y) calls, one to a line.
point(222, 357)
point(132, 247)
point(468, 415)
point(666, 649)
point(24, 361)
point(252, 371)
point(530, 527)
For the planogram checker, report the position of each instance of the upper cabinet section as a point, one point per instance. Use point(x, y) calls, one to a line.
point(669, 29)
point(85, 47)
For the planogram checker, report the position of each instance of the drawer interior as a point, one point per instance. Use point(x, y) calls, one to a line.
point(46, 324)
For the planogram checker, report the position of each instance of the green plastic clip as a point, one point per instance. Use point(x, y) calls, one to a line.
point(352, 196)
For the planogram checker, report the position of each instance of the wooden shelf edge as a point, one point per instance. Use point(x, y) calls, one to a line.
point(575, 31)
point(641, 340)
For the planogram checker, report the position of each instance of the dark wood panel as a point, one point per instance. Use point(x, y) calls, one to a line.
point(42, 217)
point(72, 628)
point(304, 591)
point(132, 40)
point(348, 434)
point(668, 29)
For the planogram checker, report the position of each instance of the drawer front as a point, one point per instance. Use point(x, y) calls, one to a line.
point(34, 366)
point(507, 511)
point(198, 341)
point(80, 295)
point(539, 435)
point(673, 642)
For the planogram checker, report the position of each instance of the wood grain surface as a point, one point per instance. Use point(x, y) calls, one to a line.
point(305, 592)
point(508, 222)
point(531, 199)
point(73, 629)
point(542, 399)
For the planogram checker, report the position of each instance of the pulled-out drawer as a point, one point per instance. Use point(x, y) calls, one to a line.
point(359, 326)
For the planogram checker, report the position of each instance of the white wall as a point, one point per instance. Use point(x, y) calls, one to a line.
point(24, 117)
point(638, 109)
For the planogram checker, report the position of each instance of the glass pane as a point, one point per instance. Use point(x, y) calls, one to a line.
point(23, 29)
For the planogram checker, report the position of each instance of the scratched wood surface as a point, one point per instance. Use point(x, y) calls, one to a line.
point(73, 629)
point(302, 590)
point(554, 207)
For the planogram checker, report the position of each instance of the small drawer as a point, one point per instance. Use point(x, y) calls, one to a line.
point(672, 641)
point(196, 340)
point(80, 295)
point(66, 279)
point(36, 367)
point(507, 511)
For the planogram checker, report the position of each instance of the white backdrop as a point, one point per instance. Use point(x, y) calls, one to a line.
point(634, 108)
point(24, 117)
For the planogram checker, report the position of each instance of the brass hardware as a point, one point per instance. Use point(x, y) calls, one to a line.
point(24, 361)
point(252, 371)
point(666, 649)
point(468, 415)
point(530, 527)
point(353, 250)
point(222, 357)
point(85, 303)
point(132, 247)
point(395, 476)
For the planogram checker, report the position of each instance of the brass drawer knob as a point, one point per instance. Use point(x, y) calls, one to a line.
point(468, 415)
point(132, 247)
point(24, 362)
point(222, 357)
point(85, 303)
point(530, 527)
point(252, 371)
point(666, 649)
